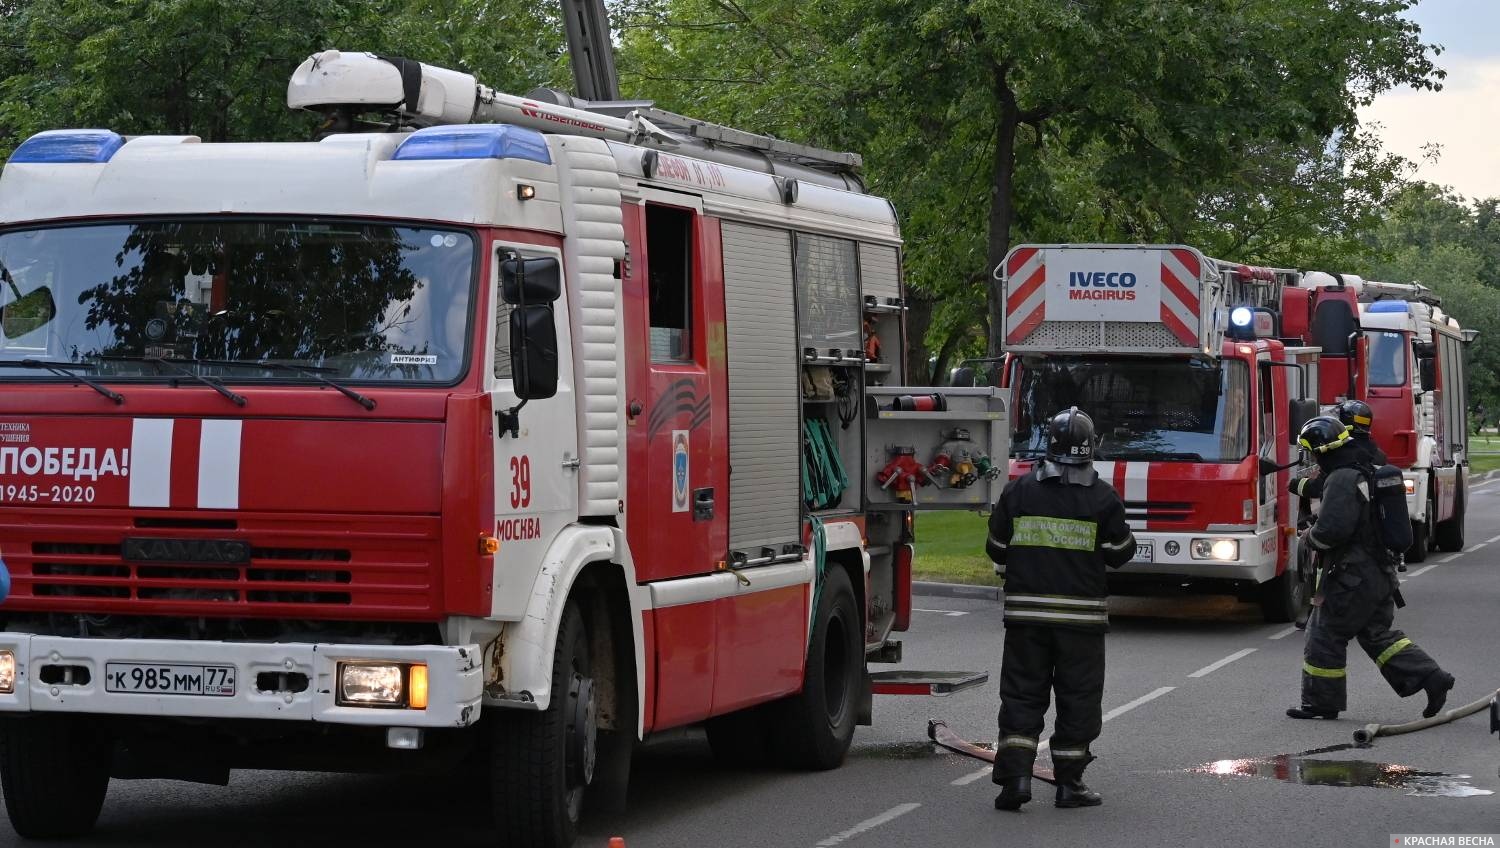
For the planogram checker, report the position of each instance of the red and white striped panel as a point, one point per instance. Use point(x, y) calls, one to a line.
point(1026, 296)
point(1180, 291)
point(1130, 481)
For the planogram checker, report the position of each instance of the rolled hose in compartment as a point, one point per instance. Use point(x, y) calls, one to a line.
point(1366, 735)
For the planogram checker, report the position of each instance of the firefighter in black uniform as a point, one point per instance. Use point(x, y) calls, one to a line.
point(1357, 416)
point(1054, 530)
point(1359, 590)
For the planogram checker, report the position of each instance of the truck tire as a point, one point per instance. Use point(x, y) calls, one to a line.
point(1449, 534)
point(1283, 597)
point(814, 727)
point(55, 772)
point(541, 763)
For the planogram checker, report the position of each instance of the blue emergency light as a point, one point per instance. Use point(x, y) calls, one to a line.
point(474, 141)
point(56, 147)
point(1247, 323)
point(1381, 307)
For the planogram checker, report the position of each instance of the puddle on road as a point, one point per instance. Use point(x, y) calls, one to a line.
point(1309, 770)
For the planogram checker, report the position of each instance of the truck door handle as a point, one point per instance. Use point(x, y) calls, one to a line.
point(703, 504)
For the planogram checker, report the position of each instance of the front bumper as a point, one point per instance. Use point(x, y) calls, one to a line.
point(1258, 552)
point(455, 680)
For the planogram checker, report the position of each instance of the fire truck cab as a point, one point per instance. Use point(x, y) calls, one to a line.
point(1418, 392)
point(1196, 396)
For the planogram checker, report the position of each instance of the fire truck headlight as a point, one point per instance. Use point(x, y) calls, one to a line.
point(1224, 550)
point(7, 672)
point(372, 684)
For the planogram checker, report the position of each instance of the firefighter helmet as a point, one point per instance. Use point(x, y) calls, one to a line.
point(1356, 415)
point(1070, 438)
point(1323, 434)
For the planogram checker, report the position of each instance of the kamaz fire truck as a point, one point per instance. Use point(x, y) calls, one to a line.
point(1198, 373)
point(1418, 390)
point(488, 431)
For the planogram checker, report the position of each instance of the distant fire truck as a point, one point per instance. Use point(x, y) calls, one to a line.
point(1198, 374)
point(487, 430)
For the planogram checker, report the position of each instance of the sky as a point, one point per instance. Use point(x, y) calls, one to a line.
point(1464, 118)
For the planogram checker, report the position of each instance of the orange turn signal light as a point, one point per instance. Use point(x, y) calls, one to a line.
point(488, 544)
point(417, 688)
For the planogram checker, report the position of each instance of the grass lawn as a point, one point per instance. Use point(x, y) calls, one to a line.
point(1484, 453)
point(950, 548)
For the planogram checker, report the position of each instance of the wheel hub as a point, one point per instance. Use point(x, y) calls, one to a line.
point(582, 731)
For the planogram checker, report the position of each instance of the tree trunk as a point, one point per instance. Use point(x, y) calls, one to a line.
point(918, 319)
point(945, 355)
point(1002, 210)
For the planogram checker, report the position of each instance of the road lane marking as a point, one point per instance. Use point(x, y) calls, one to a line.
point(869, 824)
point(1215, 666)
point(1411, 574)
point(1489, 541)
point(1443, 559)
point(1125, 708)
point(949, 613)
point(1114, 713)
point(1283, 634)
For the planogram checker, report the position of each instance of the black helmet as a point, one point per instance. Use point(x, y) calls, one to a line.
point(1356, 415)
point(1070, 438)
point(1323, 434)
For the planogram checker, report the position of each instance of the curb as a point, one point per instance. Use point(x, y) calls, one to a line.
point(955, 590)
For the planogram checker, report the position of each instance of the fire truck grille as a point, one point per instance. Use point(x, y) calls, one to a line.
point(1158, 511)
point(270, 568)
point(1114, 335)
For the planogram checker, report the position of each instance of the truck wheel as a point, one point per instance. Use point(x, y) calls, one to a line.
point(541, 763)
point(815, 727)
point(742, 738)
point(55, 772)
point(1283, 597)
point(1450, 534)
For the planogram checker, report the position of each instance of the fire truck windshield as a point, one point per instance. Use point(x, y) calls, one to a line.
point(1149, 410)
point(1387, 358)
point(360, 301)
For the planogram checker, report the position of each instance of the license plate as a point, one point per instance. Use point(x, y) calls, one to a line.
point(168, 679)
point(1145, 552)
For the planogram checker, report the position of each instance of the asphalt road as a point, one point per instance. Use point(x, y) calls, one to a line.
point(1189, 756)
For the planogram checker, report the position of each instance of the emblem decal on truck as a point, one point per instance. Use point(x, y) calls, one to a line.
point(680, 500)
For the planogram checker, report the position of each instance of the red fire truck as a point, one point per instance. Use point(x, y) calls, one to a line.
point(486, 430)
point(1198, 374)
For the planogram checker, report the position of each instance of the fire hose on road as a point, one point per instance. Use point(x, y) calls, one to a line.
point(1365, 736)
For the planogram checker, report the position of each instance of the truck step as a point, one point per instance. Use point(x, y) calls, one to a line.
point(925, 682)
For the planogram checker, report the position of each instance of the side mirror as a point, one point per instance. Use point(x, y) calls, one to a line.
point(27, 313)
point(1299, 412)
point(533, 352)
point(962, 377)
point(1427, 368)
point(530, 281)
point(1268, 466)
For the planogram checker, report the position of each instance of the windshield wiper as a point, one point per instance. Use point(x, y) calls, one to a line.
point(309, 371)
point(67, 370)
point(157, 362)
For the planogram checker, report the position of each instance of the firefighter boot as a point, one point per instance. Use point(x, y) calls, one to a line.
point(1311, 712)
point(1437, 685)
point(1014, 791)
point(1073, 793)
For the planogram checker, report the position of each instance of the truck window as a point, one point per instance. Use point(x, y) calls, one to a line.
point(355, 300)
point(1143, 409)
point(669, 264)
point(1387, 358)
